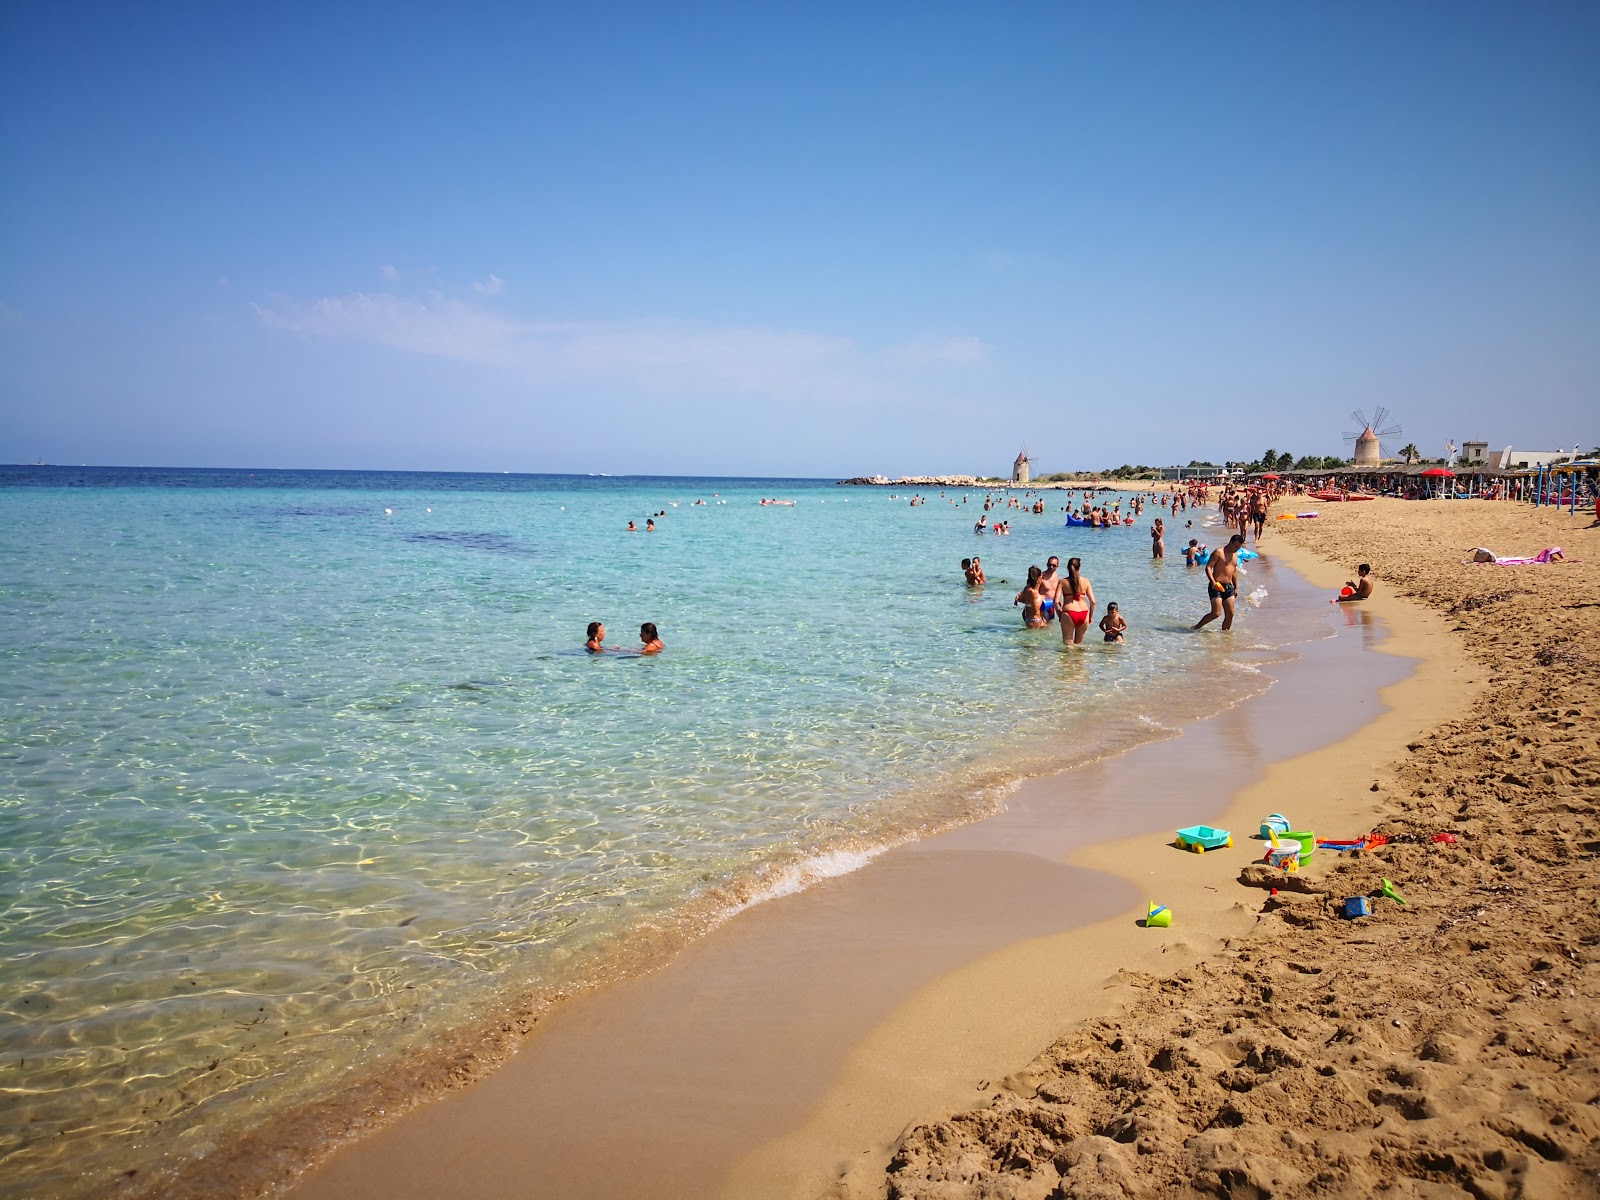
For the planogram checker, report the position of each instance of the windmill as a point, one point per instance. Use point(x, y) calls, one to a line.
point(1020, 468)
point(1369, 441)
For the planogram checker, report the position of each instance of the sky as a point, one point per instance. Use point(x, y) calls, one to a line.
point(813, 240)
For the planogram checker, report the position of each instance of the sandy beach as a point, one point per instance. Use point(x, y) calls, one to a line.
point(981, 1014)
point(1449, 1046)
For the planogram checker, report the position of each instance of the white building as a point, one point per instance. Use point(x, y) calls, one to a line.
point(1518, 460)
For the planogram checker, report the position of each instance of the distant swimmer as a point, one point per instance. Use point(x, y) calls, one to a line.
point(597, 638)
point(1359, 588)
point(649, 525)
point(1112, 624)
point(983, 524)
point(1077, 604)
point(1222, 583)
point(650, 640)
point(632, 528)
point(1028, 597)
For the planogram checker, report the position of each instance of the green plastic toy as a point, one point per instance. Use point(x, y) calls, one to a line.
point(1388, 890)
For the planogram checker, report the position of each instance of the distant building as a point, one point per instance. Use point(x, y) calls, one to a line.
point(1192, 472)
point(1367, 450)
point(1019, 469)
point(1474, 454)
point(1520, 460)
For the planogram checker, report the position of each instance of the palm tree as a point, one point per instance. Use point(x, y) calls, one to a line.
point(1409, 452)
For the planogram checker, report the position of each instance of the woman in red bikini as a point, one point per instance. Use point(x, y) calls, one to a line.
point(1077, 610)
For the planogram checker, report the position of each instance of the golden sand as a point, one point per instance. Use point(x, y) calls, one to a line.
point(1449, 1046)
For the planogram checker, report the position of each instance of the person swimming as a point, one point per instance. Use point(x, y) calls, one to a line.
point(597, 638)
point(650, 640)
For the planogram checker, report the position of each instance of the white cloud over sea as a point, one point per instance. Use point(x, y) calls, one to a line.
point(653, 354)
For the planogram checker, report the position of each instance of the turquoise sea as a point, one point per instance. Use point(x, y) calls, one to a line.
point(299, 770)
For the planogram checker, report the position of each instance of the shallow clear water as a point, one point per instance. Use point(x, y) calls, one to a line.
point(299, 768)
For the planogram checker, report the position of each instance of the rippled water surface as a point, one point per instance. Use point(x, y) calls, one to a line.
point(297, 767)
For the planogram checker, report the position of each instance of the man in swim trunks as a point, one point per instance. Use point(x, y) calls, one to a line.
point(1049, 589)
point(1191, 553)
point(1258, 511)
point(1222, 583)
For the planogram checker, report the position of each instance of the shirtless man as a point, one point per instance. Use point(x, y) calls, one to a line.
point(1049, 589)
point(1258, 512)
point(1028, 597)
point(1222, 583)
point(1363, 588)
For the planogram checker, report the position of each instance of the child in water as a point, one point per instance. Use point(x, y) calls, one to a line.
point(1113, 624)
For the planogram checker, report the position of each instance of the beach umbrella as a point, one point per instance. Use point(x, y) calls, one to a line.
point(1270, 475)
point(1438, 475)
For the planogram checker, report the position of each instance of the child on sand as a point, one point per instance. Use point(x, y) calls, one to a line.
point(1112, 624)
point(1359, 588)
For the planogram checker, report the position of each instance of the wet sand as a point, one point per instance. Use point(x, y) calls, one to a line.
point(1449, 1046)
point(798, 1033)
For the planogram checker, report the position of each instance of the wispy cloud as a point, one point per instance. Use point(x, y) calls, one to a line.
point(389, 271)
point(491, 286)
point(656, 355)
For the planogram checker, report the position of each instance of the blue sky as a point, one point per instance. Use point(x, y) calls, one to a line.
point(806, 239)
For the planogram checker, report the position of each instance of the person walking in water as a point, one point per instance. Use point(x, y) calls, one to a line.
point(1222, 583)
point(1158, 545)
point(1076, 604)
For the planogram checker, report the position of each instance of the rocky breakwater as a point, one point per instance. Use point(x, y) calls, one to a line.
point(912, 481)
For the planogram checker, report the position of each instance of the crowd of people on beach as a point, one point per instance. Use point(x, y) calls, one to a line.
point(1049, 596)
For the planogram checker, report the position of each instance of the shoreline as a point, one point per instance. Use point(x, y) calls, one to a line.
point(1446, 1046)
point(1092, 966)
point(571, 1058)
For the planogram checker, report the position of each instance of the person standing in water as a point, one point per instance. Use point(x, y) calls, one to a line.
point(1158, 545)
point(1050, 589)
point(1222, 583)
point(650, 640)
point(597, 638)
point(1028, 597)
point(1077, 604)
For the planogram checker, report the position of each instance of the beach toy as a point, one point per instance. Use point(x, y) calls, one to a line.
point(1447, 839)
point(1342, 847)
point(1159, 916)
point(1275, 824)
point(1357, 906)
point(1288, 516)
point(1307, 840)
point(1285, 858)
point(1347, 591)
point(1201, 838)
point(1388, 890)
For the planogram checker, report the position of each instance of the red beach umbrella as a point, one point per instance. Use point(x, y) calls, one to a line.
point(1439, 473)
point(1270, 475)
